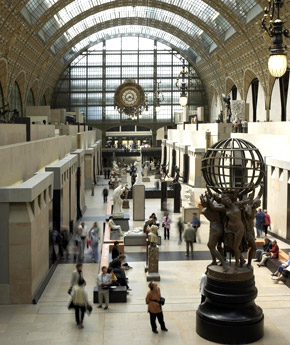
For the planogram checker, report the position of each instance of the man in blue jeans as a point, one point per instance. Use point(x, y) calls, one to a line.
point(195, 224)
point(260, 220)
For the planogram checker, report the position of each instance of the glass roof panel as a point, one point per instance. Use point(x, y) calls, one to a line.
point(241, 7)
point(138, 12)
point(198, 7)
point(130, 30)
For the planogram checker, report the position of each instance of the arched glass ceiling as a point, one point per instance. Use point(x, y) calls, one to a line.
point(129, 30)
point(200, 9)
point(137, 12)
point(241, 7)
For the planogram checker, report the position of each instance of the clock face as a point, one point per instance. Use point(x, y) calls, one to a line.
point(129, 97)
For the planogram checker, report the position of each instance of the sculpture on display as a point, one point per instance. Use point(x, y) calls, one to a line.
point(233, 170)
point(125, 193)
point(118, 202)
point(238, 109)
point(146, 168)
point(137, 165)
point(116, 167)
point(190, 196)
point(227, 100)
point(153, 235)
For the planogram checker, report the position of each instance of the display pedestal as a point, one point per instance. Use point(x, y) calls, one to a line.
point(153, 263)
point(187, 212)
point(123, 221)
point(145, 179)
point(139, 202)
point(163, 195)
point(124, 179)
point(229, 315)
point(126, 203)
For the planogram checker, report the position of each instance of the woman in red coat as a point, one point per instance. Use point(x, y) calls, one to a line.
point(154, 307)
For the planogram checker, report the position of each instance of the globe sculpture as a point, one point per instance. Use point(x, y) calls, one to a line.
point(233, 166)
point(234, 171)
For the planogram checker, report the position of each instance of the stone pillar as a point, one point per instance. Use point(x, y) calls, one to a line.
point(153, 264)
point(61, 195)
point(177, 189)
point(80, 184)
point(139, 202)
point(163, 195)
point(186, 166)
point(25, 230)
point(173, 161)
point(154, 135)
point(89, 168)
point(163, 152)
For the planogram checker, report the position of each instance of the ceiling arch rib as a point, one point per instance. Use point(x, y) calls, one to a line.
point(56, 25)
point(133, 30)
point(166, 28)
point(207, 10)
point(147, 13)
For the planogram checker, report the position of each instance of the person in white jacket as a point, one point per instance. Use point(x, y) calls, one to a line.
point(80, 300)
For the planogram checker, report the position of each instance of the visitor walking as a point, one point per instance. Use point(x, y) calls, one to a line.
point(83, 233)
point(195, 222)
point(260, 220)
point(105, 194)
point(267, 223)
point(80, 300)
point(180, 227)
point(94, 237)
point(189, 237)
point(166, 225)
point(77, 274)
point(154, 307)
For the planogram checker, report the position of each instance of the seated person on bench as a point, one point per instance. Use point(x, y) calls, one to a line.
point(114, 226)
point(113, 277)
point(266, 248)
point(121, 276)
point(120, 262)
point(273, 253)
point(283, 271)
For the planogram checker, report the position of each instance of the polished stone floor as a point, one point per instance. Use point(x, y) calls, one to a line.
point(51, 323)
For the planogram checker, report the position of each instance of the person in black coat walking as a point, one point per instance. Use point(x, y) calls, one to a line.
point(105, 194)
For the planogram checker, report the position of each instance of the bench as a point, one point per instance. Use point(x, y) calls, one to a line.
point(273, 264)
point(117, 294)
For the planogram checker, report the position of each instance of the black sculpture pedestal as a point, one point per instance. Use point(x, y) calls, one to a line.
point(229, 315)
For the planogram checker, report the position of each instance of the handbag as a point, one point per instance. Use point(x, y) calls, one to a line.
point(71, 305)
point(161, 302)
point(89, 309)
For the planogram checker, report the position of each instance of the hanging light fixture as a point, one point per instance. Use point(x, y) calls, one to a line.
point(158, 97)
point(181, 84)
point(277, 63)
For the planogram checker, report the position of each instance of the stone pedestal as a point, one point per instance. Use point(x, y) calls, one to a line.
point(153, 263)
point(229, 314)
point(146, 179)
point(187, 212)
point(126, 203)
point(138, 202)
point(124, 179)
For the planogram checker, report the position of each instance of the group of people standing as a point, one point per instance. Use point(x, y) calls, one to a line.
point(263, 222)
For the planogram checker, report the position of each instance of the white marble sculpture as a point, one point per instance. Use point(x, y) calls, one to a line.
point(118, 202)
point(137, 165)
point(146, 169)
point(190, 196)
point(135, 231)
point(238, 110)
point(153, 235)
point(116, 167)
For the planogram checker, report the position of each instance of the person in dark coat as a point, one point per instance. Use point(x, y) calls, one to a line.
point(115, 250)
point(105, 194)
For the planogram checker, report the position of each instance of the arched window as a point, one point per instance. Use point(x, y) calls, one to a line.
point(30, 98)
point(255, 88)
point(43, 101)
point(234, 92)
point(15, 99)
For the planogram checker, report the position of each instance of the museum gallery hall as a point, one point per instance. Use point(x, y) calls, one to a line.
point(144, 172)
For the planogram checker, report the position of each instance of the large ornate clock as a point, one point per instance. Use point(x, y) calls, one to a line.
point(129, 97)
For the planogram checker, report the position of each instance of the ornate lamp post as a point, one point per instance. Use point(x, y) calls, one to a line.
point(277, 62)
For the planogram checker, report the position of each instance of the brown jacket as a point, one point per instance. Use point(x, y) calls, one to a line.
point(151, 298)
